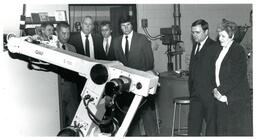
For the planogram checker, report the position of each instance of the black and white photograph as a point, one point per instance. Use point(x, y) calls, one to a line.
point(159, 69)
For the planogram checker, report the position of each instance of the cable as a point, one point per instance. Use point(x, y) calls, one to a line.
point(148, 36)
point(119, 108)
point(151, 37)
point(92, 116)
point(116, 126)
point(156, 37)
point(101, 123)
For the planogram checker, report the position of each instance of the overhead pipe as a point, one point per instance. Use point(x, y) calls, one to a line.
point(176, 16)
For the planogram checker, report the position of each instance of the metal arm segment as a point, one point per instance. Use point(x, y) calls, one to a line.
point(141, 83)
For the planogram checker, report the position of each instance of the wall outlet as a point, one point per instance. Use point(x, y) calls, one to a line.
point(144, 23)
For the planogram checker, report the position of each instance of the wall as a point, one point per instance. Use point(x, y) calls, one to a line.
point(161, 15)
point(28, 99)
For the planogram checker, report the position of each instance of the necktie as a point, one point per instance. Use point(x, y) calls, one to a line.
point(63, 47)
point(87, 46)
point(107, 46)
point(198, 47)
point(126, 47)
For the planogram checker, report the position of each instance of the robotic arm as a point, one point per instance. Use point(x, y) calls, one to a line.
point(103, 78)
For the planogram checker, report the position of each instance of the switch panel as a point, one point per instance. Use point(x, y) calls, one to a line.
point(144, 23)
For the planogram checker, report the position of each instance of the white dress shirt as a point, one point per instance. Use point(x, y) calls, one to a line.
point(129, 40)
point(222, 55)
point(105, 42)
point(90, 43)
point(218, 62)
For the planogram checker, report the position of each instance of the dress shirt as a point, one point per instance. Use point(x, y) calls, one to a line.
point(129, 40)
point(109, 42)
point(90, 43)
point(222, 54)
point(201, 45)
point(59, 45)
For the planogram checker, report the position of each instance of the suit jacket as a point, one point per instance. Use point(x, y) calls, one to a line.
point(140, 54)
point(201, 70)
point(76, 40)
point(233, 74)
point(236, 117)
point(110, 56)
point(70, 47)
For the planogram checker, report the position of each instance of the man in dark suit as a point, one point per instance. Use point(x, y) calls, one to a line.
point(139, 54)
point(88, 44)
point(134, 51)
point(201, 80)
point(67, 83)
point(107, 40)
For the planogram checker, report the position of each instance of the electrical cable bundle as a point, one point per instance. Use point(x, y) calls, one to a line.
point(101, 123)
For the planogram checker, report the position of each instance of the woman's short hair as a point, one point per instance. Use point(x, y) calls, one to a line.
point(229, 26)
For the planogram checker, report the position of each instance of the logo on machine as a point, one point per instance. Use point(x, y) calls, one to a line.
point(39, 52)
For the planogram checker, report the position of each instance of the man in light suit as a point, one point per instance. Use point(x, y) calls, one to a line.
point(67, 82)
point(134, 51)
point(201, 80)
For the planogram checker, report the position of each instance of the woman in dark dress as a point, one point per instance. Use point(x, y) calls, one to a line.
point(234, 116)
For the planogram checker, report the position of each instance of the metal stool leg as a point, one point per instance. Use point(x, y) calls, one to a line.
point(179, 103)
point(173, 118)
point(179, 119)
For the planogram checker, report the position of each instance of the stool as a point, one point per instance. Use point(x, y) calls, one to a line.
point(179, 101)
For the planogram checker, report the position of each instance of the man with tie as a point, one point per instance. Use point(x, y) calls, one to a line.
point(67, 82)
point(201, 81)
point(88, 44)
point(107, 41)
point(134, 51)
